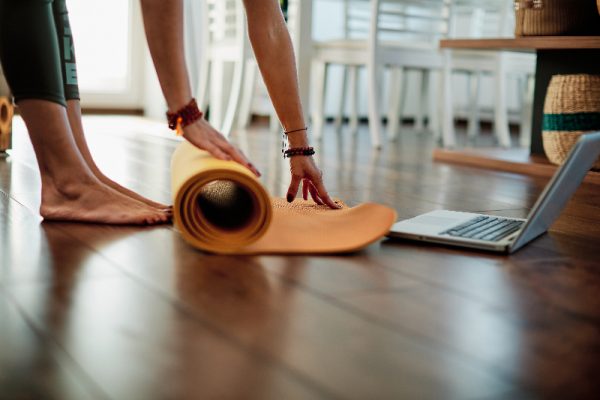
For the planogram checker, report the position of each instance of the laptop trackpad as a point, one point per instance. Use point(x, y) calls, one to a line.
point(433, 222)
point(437, 220)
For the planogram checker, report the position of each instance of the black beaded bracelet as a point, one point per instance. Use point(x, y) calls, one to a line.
point(298, 151)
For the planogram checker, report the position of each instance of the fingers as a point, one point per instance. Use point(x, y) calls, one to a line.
point(305, 185)
point(318, 183)
point(237, 155)
point(315, 194)
point(293, 189)
point(204, 136)
point(216, 152)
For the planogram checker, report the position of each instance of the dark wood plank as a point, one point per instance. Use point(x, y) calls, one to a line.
point(136, 308)
point(237, 297)
point(135, 345)
point(32, 366)
point(34, 252)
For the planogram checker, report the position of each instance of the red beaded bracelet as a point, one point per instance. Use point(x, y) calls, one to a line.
point(183, 117)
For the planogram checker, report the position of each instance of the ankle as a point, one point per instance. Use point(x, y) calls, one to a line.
point(70, 189)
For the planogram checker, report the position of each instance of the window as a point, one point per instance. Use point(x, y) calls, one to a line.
point(109, 47)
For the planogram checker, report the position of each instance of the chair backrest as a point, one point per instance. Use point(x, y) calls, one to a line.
point(224, 20)
point(415, 20)
point(482, 18)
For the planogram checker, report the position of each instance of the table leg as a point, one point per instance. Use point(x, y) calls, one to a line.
point(553, 62)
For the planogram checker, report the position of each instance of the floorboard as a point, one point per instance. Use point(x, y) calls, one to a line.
point(123, 312)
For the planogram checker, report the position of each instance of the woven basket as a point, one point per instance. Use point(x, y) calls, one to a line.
point(572, 109)
point(556, 17)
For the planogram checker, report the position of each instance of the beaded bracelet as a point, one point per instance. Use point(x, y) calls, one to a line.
point(295, 151)
point(298, 151)
point(183, 117)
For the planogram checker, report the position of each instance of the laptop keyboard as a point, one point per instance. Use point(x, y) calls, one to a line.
point(488, 228)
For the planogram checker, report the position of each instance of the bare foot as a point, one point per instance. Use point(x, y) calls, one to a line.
point(96, 203)
point(129, 193)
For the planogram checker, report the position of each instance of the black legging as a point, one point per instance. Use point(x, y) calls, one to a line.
point(36, 50)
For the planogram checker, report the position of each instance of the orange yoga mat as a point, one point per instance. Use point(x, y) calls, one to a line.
point(220, 207)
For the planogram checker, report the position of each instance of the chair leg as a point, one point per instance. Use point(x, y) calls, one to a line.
point(247, 94)
point(395, 93)
point(420, 117)
point(433, 119)
point(274, 125)
point(474, 90)
point(500, 112)
point(374, 109)
point(353, 97)
point(339, 119)
point(235, 95)
point(448, 135)
point(527, 114)
point(318, 115)
point(202, 92)
point(216, 94)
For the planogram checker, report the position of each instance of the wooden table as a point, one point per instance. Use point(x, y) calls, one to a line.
point(555, 55)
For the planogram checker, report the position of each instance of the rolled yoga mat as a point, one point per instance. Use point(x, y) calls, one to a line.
point(220, 206)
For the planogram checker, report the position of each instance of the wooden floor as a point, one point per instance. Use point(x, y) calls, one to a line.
point(99, 312)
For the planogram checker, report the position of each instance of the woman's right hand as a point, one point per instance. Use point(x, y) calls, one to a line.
point(202, 135)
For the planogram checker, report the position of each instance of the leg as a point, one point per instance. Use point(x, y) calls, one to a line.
point(474, 89)
point(374, 111)
point(501, 112)
point(318, 118)
point(396, 89)
point(433, 123)
point(70, 191)
point(71, 90)
point(421, 110)
point(448, 135)
point(233, 102)
point(339, 119)
point(247, 93)
point(76, 125)
point(353, 96)
point(527, 112)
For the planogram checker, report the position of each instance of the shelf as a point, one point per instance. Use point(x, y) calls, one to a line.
point(525, 43)
point(517, 161)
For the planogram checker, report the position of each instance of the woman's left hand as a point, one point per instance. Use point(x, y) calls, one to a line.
point(305, 171)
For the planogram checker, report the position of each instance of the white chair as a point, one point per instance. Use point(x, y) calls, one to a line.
point(223, 44)
point(394, 34)
point(227, 68)
point(488, 18)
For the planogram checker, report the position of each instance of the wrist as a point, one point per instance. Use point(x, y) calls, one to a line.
point(184, 116)
point(297, 139)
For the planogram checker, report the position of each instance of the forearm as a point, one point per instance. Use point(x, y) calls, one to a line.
point(274, 53)
point(163, 23)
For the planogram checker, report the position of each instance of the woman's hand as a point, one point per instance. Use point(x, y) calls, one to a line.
point(202, 135)
point(305, 171)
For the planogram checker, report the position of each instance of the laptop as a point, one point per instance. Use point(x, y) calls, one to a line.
point(500, 234)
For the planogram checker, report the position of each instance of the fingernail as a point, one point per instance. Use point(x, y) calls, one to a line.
point(290, 198)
